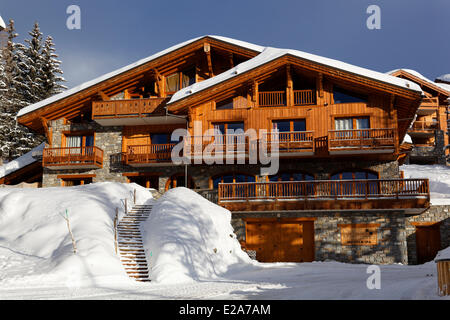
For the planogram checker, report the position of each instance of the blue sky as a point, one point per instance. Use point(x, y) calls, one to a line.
point(414, 33)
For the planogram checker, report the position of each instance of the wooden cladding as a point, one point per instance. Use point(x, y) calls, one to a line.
point(324, 189)
point(127, 108)
point(72, 157)
point(359, 234)
point(362, 139)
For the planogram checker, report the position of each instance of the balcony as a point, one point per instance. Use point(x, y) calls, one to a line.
point(292, 143)
point(72, 158)
point(145, 155)
point(132, 112)
point(357, 141)
point(423, 128)
point(411, 195)
point(278, 98)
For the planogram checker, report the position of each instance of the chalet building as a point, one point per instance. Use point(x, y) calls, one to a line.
point(338, 192)
point(429, 131)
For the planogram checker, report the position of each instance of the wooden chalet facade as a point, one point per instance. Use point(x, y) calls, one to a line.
point(338, 193)
point(429, 131)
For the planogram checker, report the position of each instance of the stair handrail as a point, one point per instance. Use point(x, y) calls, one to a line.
point(116, 219)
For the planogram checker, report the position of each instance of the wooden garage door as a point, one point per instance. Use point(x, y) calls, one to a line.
point(281, 241)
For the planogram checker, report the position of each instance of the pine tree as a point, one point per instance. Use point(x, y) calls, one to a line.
point(51, 74)
point(30, 65)
point(15, 139)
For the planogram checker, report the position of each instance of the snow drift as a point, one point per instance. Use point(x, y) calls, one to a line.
point(189, 238)
point(32, 228)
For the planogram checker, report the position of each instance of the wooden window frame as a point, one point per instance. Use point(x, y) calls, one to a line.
point(354, 120)
point(234, 174)
point(291, 122)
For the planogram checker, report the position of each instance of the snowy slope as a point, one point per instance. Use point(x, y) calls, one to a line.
point(189, 238)
point(439, 176)
point(34, 236)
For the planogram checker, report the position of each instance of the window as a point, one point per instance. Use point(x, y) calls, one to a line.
point(356, 188)
point(289, 125)
point(178, 180)
point(77, 144)
point(231, 178)
point(352, 123)
point(345, 96)
point(354, 175)
point(290, 190)
point(291, 176)
point(224, 104)
point(179, 80)
point(234, 132)
point(70, 182)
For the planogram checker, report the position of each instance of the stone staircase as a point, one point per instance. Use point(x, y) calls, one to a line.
point(131, 248)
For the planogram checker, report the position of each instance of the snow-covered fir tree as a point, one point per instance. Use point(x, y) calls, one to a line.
point(51, 75)
point(28, 74)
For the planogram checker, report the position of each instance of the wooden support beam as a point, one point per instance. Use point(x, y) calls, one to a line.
point(46, 130)
point(159, 83)
point(103, 95)
point(230, 57)
point(289, 86)
point(207, 49)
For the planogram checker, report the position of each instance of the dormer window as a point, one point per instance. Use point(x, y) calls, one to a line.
point(179, 80)
point(224, 104)
point(341, 95)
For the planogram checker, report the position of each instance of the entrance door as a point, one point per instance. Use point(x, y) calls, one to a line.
point(281, 241)
point(428, 242)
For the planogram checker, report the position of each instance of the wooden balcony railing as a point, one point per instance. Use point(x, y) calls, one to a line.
point(254, 194)
point(304, 97)
point(424, 126)
point(292, 141)
point(150, 153)
point(272, 98)
point(361, 139)
point(73, 157)
point(125, 108)
point(219, 145)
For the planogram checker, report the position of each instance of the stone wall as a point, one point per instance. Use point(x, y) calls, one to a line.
point(391, 247)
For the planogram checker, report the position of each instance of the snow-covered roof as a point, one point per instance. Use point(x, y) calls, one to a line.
point(443, 255)
point(444, 77)
point(420, 76)
point(20, 162)
point(109, 75)
point(2, 24)
point(270, 54)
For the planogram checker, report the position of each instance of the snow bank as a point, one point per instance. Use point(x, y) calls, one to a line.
point(20, 162)
point(439, 176)
point(33, 230)
point(188, 238)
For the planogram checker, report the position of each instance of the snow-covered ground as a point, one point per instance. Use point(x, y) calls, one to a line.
point(190, 245)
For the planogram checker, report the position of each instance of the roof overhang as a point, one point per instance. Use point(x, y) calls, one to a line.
point(57, 105)
point(429, 84)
